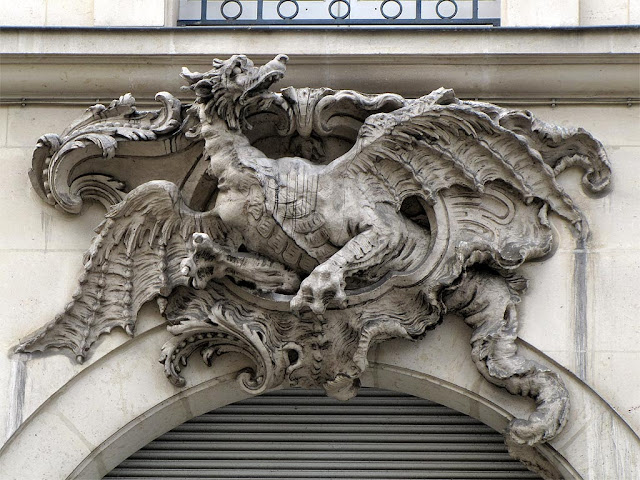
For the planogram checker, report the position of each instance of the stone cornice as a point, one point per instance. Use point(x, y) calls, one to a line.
point(510, 63)
point(320, 42)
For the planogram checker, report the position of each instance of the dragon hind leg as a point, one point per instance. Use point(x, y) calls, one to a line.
point(487, 302)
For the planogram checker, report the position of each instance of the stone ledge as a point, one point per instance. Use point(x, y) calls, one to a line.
point(60, 63)
point(320, 42)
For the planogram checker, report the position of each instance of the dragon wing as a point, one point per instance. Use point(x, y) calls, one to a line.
point(135, 257)
point(438, 141)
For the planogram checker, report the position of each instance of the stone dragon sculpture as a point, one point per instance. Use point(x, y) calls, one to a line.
point(381, 215)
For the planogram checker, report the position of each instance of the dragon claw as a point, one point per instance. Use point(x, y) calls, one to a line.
point(322, 288)
point(204, 261)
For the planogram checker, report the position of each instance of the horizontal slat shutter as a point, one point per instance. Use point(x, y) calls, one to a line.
point(305, 435)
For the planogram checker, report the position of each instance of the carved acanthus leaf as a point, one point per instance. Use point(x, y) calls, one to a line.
point(57, 157)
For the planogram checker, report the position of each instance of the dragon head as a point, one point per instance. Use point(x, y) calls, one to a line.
point(232, 85)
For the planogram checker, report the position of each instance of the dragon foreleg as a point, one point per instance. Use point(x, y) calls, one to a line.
point(487, 302)
point(385, 242)
point(209, 260)
point(326, 283)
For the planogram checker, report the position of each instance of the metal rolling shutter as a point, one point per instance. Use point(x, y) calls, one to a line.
point(304, 434)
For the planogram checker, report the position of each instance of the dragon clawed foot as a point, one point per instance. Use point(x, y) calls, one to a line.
point(322, 288)
point(205, 261)
point(209, 260)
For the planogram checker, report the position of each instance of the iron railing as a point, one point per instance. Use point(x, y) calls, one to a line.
point(339, 12)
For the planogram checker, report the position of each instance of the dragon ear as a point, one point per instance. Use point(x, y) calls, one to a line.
point(235, 64)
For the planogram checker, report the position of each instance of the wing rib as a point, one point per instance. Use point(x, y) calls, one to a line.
point(134, 258)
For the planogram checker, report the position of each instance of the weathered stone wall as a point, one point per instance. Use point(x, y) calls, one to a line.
point(157, 13)
point(581, 307)
point(88, 13)
point(521, 13)
point(599, 344)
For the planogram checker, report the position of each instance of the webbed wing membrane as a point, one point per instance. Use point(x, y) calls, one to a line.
point(135, 257)
point(438, 141)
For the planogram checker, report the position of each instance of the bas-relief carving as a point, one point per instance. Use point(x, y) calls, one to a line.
point(298, 228)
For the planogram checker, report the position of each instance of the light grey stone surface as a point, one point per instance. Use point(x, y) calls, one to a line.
point(525, 65)
point(311, 224)
point(136, 404)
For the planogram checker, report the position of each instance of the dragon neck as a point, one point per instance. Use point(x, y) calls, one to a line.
point(225, 146)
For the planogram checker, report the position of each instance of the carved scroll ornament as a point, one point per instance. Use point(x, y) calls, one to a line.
point(299, 228)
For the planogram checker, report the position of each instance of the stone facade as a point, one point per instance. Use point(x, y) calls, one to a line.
point(578, 315)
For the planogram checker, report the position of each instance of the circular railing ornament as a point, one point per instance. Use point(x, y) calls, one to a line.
point(391, 17)
point(288, 17)
point(339, 17)
point(447, 17)
point(231, 17)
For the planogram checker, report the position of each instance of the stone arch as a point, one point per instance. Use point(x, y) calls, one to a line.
point(122, 401)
